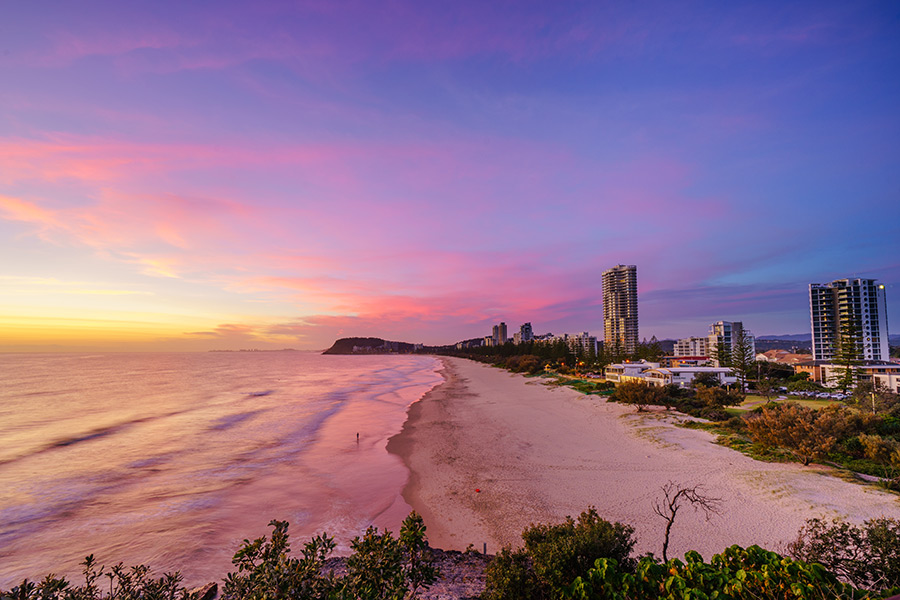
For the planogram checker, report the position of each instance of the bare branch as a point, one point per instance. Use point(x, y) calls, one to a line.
point(674, 497)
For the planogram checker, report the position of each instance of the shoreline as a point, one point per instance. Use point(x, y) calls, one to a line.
point(429, 417)
point(538, 454)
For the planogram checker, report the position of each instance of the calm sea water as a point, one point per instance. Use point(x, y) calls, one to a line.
point(171, 460)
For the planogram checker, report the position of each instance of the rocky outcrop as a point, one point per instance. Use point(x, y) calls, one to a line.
point(204, 592)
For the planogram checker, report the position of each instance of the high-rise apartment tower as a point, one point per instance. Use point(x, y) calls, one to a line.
point(849, 307)
point(620, 307)
point(526, 332)
point(726, 332)
point(498, 333)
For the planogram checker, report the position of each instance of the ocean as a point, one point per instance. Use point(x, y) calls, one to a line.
point(171, 460)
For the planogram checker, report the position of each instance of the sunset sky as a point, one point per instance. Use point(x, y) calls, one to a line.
point(223, 175)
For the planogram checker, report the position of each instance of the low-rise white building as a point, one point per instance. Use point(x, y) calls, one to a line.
point(884, 374)
point(632, 371)
point(692, 346)
point(684, 376)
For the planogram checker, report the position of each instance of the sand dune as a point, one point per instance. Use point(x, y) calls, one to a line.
point(538, 454)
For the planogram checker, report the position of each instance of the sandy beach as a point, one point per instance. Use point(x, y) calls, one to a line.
point(490, 452)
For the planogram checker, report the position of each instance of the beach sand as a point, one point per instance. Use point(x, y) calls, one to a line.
point(539, 453)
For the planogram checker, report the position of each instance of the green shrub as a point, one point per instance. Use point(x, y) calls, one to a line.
point(736, 424)
point(867, 555)
point(711, 413)
point(265, 570)
point(554, 555)
point(373, 570)
point(560, 553)
point(381, 568)
point(509, 577)
point(736, 574)
point(716, 397)
point(133, 583)
point(639, 394)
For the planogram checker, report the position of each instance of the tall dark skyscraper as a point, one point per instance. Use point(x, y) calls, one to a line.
point(620, 307)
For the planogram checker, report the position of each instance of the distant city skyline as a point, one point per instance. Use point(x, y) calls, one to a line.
point(183, 176)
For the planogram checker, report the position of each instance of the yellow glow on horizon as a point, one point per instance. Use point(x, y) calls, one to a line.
point(46, 313)
point(34, 329)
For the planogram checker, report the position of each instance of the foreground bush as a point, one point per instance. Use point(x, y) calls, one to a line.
point(554, 555)
point(589, 559)
point(381, 567)
point(736, 574)
point(867, 555)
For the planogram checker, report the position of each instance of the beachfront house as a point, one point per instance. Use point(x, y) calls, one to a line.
point(684, 376)
point(629, 371)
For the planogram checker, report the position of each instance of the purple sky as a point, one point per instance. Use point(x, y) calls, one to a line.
point(222, 175)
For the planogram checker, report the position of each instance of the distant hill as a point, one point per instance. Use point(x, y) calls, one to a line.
point(794, 337)
point(798, 342)
point(667, 346)
point(893, 340)
point(369, 345)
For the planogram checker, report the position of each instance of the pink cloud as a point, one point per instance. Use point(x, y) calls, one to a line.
point(362, 240)
point(17, 209)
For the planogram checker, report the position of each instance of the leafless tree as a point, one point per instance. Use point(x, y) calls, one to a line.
point(675, 496)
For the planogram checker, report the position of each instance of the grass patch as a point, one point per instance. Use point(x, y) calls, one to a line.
point(751, 398)
point(584, 386)
point(760, 452)
point(589, 387)
point(752, 401)
point(817, 404)
point(725, 436)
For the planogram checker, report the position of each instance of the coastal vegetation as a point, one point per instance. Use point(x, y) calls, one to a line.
point(860, 434)
point(586, 558)
point(537, 356)
point(866, 555)
point(837, 435)
point(554, 555)
point(381, 567)
point(703, 401)
point(580, 560)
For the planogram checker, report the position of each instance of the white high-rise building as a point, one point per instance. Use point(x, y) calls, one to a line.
point(849, 306)
point(584, 342)
point(725, 332)
point(620, 308)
